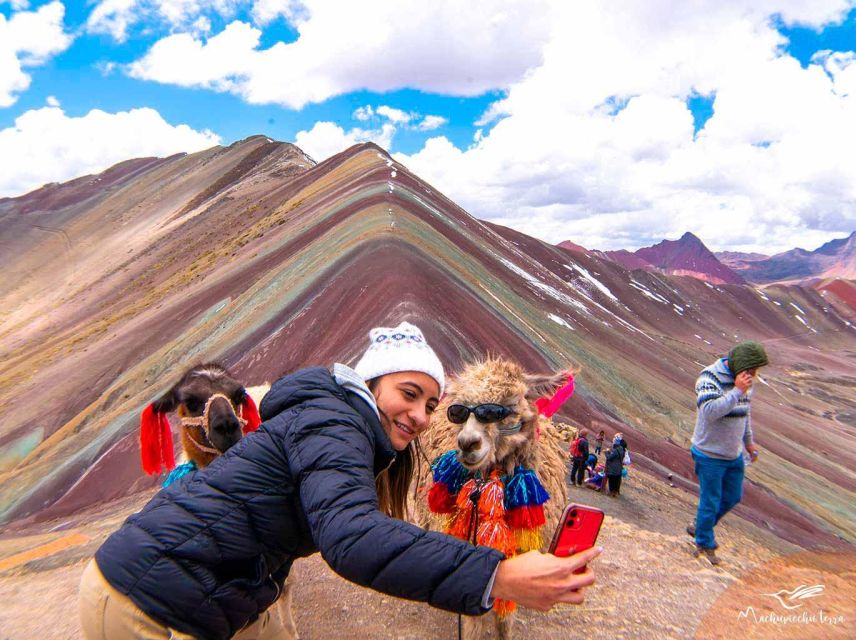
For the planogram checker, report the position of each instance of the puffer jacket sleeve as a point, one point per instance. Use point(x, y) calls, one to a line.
point(331, 457)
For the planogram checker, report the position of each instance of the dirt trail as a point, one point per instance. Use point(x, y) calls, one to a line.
point(649, 585)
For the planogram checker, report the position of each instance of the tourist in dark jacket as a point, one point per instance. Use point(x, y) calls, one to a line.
point(579, 455)
point(330, 464)
point(614, 466)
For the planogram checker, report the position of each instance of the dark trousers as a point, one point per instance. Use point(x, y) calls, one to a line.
point(720, 490)
point(614, 483)
point(578, 469)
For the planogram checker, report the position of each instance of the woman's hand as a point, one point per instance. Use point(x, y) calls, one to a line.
point(538, 580)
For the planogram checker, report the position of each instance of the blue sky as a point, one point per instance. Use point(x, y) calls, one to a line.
point(554, 118)
point(78, 80)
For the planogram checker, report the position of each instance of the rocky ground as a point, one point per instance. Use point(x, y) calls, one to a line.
point(649, 585)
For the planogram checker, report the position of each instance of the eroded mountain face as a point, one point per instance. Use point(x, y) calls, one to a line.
point(255, 256)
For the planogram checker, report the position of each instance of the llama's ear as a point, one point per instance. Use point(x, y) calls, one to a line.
point(544, 385)
point(550, 392)
point(156, 449)
point(167, 403)
point(250, 413)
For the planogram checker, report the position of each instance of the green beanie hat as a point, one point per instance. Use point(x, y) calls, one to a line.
point(746, 355)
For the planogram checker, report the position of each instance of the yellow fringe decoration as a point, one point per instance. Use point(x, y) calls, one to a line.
point(528, 539)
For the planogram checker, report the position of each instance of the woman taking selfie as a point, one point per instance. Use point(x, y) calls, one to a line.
point(209, 554)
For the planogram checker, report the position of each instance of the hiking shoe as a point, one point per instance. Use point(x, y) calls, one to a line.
point(691, 532)
point(710, 554)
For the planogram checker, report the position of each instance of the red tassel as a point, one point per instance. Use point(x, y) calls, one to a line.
point(459, 524)
point(440, 500)
point(548, 406)
point(463, 499)
point(250, 413)
point(156, 448)
point(491, 505)
point(496, 535)
point(504, 607)
point(525, 517)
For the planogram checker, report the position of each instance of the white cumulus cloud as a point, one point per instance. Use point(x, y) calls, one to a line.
point(28, 39)
point(116, 17)
point(46, 145)
point(456, 48)
point(429, 123)
point(396, 116)
point(325, 139)
point(597, 144)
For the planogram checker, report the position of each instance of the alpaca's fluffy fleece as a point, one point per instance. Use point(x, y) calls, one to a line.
point(539, 444)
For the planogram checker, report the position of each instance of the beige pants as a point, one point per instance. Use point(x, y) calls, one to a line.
point(106, 614)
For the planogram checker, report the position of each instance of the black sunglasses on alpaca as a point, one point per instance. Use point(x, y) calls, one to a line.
point(484, 413)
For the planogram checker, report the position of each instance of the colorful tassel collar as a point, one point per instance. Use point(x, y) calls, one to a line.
point(179, 472)
point(502, 512)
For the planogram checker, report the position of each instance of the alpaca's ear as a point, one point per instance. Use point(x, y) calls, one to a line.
point(554, 391)
point(167, 403)
point(544, 385)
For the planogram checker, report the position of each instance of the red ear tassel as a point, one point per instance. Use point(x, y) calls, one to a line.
point(250, 413)
point(155, 441)
point(548, 406)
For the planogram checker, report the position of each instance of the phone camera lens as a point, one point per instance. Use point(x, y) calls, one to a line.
point(574, 513)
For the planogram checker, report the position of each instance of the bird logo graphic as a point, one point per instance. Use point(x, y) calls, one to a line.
point(789, 599)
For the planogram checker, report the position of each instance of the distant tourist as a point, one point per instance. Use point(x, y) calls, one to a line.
point(723, 430)
point(579, 455)
point(614, 466)
point(598, 442)
point(595, 479)
point(591, 463)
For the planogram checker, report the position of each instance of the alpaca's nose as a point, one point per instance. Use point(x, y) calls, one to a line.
point(227, 423)
point(468, 442)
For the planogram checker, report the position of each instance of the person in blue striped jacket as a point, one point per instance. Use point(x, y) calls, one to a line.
point(723, 430)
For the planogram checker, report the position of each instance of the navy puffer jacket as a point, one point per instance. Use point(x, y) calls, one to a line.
point(615, 460)
point(208, 554)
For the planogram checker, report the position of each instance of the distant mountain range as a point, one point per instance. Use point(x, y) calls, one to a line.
point(835, 259)
point(688, 256)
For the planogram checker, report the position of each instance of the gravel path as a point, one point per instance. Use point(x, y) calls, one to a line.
point(649, 585)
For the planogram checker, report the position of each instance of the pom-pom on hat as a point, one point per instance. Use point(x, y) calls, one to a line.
point(401, 348)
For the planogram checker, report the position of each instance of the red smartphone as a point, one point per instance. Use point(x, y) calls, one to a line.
point(578, 529)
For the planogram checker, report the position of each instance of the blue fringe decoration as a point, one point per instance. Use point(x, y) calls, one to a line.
point(179, 472)
point(524, 489)
point(449, 471)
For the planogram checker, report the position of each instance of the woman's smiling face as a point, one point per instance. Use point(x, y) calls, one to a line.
point(405, 401)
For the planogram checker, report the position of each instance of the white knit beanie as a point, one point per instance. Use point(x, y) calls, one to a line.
point(401, 348)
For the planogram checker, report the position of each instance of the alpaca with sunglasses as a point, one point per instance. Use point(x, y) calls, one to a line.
point(499, 470)
point(206, 557)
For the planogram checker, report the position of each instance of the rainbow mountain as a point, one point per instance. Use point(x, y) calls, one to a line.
point(255, 256)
